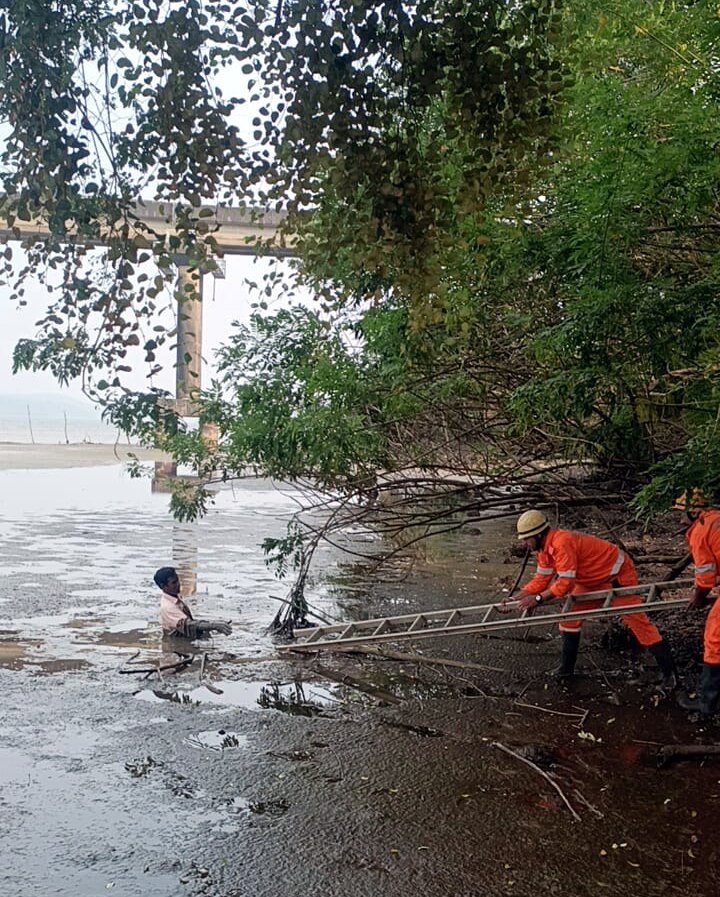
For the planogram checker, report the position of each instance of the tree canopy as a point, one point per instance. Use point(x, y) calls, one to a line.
point(507, 213)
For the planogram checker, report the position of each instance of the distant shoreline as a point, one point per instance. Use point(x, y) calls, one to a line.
point(24, 456)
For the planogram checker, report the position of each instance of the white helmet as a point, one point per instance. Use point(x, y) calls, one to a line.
point(531, 523)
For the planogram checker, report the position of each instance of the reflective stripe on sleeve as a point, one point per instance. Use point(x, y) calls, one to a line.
point(567, 574)
point(544, 571)
point(618, 563)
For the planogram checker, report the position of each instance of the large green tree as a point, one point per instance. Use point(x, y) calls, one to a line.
point(507, 213)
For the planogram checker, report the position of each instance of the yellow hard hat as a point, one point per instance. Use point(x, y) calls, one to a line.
point(531, 523)
point(696, 502)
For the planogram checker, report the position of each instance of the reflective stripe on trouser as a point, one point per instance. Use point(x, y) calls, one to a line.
point(711, 637)
point(639, 624)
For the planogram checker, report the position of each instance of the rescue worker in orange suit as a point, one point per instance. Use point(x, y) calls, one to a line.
point(703, 538)
point(573, 563)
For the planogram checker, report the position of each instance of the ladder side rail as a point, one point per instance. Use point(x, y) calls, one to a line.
point(467, 628)
point(486, 609)
point(372, 624)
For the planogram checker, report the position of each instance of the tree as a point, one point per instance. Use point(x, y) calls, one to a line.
point(507, 212)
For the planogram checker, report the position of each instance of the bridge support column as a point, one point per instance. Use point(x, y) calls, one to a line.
point(188, 372)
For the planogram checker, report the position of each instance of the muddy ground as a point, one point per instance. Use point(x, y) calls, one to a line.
point(265, 775)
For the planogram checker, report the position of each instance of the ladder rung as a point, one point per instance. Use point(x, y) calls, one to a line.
point(454, 618)
point(418, 623)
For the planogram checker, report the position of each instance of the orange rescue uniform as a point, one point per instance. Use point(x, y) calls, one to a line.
point(703, 537)
point(573, 563)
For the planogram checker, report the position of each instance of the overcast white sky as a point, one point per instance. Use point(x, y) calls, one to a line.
point(224, 301)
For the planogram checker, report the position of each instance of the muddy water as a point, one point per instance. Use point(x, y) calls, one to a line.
point(268, 776)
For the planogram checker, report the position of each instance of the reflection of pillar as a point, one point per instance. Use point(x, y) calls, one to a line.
point(185, 556)
point(188, 293)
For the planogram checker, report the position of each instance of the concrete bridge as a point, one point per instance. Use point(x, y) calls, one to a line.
point(237, 231)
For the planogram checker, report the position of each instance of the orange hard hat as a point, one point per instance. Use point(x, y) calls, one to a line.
point(696, 502)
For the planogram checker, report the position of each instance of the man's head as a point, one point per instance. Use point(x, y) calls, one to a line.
point(532, 527)
point(166, 578)
point(692, 505)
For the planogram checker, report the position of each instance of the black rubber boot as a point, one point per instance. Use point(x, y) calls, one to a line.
point(568, 655)
point(707, 703)
point(663, 656)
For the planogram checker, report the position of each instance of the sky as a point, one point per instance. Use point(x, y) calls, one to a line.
point(224, 301)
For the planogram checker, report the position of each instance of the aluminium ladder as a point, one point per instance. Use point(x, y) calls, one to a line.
point(484, 618)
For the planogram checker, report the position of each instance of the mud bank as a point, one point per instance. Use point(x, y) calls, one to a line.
point(248, 773)
point(19, 456)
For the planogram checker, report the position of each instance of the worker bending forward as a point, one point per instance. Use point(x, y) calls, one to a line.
point(703, 538)
point(574, 563)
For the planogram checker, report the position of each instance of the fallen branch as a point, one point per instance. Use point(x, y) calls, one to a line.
point(670, 752)
point(541, 772)
point(177, 666)
point(373, 651)
point(372, 690)
point(593, 809)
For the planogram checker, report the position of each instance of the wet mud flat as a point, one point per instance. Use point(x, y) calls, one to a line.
point(413, 778)
point(245, 772)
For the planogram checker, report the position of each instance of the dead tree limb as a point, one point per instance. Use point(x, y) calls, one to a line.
point(670, 752)
point(541, 772)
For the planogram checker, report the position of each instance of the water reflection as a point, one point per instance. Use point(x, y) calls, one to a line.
point(296, 698)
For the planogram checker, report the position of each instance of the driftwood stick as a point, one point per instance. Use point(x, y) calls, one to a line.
point(351, 681)
point(541, 772)
point(179, 665)
point(373, 651)
point(670, 752)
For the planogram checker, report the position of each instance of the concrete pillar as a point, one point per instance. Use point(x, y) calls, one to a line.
point(188, 374)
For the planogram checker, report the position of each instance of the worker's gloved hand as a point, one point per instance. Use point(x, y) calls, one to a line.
point(205, 627)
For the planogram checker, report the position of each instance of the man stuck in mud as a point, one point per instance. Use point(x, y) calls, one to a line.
point(575, 563)
point(175, 616)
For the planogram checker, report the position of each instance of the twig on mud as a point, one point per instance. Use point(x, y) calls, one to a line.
point(130, 659)
point(526, 687)
point(581, 714)
point(469, 684)
point(593, 809)
point(541, 772)
point(602, 673)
